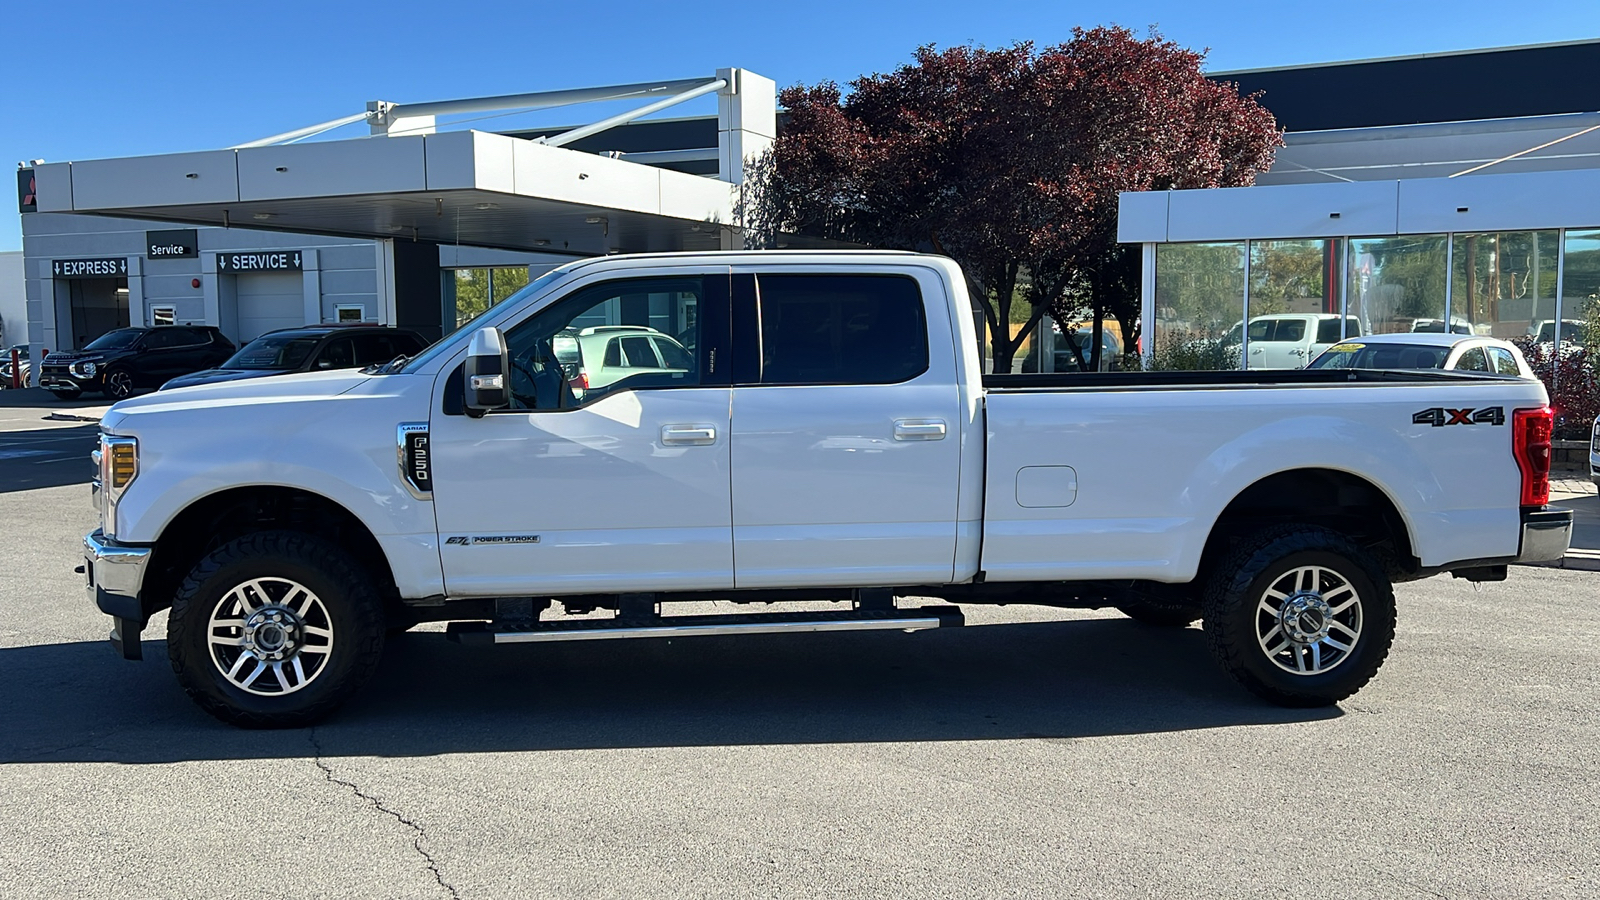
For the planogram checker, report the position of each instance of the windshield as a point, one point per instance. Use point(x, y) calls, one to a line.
point(120, 339)
point(277, 352)
point(1356, 355)
point(440, 346)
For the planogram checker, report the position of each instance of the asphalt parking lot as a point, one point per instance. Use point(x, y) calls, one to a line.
point(1034, 753)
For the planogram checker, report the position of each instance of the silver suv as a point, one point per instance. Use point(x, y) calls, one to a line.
point(599, 356)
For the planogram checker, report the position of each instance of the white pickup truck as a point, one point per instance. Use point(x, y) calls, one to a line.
point(827, 434)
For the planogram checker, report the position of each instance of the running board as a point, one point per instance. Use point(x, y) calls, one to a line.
point(906, 620)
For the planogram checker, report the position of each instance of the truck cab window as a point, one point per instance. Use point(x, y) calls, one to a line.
point(841, 329)
point(602, 340)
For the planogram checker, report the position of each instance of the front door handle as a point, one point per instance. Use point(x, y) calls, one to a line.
point(688, 435)
point(919, 429)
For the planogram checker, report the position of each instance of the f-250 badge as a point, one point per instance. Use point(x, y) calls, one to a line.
point(1439, 417)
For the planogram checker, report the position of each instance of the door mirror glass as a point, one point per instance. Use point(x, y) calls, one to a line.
point(486, 372)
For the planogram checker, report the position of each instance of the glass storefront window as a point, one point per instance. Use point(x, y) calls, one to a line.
point(1294, 309)
point(470, 292)
point(1398, 283)
point(1199, 306)
point(1580, 294)
point(1503, 284)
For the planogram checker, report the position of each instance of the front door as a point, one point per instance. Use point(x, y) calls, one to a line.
point(847, 432)
point(599, 477)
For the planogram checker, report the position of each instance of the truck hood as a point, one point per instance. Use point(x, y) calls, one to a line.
point(298, 388)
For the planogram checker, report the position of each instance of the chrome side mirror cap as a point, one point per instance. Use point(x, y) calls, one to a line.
point(488, 373)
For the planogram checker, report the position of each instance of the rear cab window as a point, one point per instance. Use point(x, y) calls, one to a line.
point(840, 329)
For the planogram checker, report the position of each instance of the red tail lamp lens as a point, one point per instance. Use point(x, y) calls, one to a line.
point(1530, 444)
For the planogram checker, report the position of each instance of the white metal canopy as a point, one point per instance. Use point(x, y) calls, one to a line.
point(469, 187)
point(462, 187)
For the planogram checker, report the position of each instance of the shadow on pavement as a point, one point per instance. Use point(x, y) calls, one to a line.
point(46, 457)
point(1057, 680)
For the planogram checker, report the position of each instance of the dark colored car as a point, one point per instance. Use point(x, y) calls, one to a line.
point(119, 362)
point(21, 350)
point(311, 348)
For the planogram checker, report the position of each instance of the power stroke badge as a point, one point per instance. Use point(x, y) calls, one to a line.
point(1439, 416)
point(475, 540)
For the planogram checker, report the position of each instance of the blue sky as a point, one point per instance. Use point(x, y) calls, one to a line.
point(98, 79)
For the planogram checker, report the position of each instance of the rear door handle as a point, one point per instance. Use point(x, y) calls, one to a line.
point(919, 429)
point(688, 435)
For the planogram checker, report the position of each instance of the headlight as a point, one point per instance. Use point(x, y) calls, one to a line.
point(119, 466)
point(84, 369)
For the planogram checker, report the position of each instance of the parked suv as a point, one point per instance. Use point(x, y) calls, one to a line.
point(311, 348)
point(1290, 340)
point(594, 358)
point(119, 362)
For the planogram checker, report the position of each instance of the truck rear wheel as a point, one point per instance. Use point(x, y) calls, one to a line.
point(1300, 615)
point(275, 629)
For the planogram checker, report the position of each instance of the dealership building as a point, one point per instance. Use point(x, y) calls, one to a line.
point(1457, 188)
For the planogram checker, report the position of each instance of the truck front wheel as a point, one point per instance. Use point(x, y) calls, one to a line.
point(1300, 615)
point(275, 629)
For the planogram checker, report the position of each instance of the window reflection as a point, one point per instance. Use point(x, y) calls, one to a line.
point(1398, 284)
point(1199, 301)
point(1503, 284)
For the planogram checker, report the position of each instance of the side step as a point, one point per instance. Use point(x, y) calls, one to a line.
point(907, 620)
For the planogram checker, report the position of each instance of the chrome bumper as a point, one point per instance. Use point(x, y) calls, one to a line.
point(1546, 534)
point(115, 575)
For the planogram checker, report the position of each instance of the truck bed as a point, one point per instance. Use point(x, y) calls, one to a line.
point(1229, 378)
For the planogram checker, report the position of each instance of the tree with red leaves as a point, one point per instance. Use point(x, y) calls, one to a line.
point(1010, 162)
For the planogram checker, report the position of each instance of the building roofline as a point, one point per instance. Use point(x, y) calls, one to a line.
point(1402, 58)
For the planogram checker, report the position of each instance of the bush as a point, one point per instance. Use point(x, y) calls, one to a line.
point(1186, 352)
point(1571, 381)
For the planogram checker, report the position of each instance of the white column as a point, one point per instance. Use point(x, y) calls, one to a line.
point(1147, 303)
point(747, 121)
point(137, 314)
point(384, 250)
point(311, 286)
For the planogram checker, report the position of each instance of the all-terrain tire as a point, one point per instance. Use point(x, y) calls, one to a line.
point(342, 603)
point(1161, 615)
point(1239, 618)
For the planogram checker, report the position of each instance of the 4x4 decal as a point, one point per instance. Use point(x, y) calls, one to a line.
point(1439, 416)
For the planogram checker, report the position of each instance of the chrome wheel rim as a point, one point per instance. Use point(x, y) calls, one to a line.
point(270, 636)
point(1308, 620)
point(119, 384)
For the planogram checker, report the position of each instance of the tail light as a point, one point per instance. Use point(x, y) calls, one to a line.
point(580, 381)
point(1530, 444)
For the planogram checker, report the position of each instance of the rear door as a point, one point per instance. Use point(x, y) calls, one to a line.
point(846, 435)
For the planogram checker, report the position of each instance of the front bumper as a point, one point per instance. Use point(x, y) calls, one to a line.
point(63, 380)
point(115, 576)
point(1546, 534)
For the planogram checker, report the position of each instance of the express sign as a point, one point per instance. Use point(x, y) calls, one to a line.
point(106, 267)
point(264, 261)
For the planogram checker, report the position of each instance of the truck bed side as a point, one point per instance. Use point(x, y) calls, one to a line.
point(1124, 477)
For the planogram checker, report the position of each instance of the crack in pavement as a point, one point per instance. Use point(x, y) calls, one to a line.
point(418, 832)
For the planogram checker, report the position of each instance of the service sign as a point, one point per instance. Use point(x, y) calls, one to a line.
point(259, 261)
point(180, 243)
point(103, 267)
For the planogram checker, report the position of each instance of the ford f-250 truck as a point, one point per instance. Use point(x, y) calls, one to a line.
point(789, 426)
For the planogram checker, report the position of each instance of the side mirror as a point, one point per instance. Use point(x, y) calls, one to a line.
point(487, 370)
